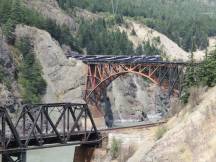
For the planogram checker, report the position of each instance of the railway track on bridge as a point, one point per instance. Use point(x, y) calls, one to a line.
point(148, 125)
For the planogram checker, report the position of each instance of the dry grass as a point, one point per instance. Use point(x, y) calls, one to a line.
point(115, 149)
point(185, 153)
point(176, 107)
point(121, 152)
point(126, 153)
point(190, 135)
point(195, 96)
point(210, 111)
point(160, 132)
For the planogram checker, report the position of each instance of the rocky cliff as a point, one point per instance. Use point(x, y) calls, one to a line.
point(191, 136)
point(64, 77)
point(131, 94)
point(9, 93)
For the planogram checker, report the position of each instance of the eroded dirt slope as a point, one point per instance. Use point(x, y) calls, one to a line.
point(191, 136)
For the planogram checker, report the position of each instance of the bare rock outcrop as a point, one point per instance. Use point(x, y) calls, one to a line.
point(130, 95)
point(51, 9)
point(64, 77)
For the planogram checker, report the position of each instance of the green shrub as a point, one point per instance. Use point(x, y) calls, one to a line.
point(160, 132)
point(115, 148)
point(150, 48)
point(2, 75)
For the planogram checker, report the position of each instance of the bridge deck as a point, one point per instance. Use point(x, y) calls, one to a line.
point(122, 59)
point(52, 140)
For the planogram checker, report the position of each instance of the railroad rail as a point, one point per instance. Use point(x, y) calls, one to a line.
point(140, 126)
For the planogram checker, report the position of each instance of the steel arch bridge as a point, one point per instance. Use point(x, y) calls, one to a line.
point(102, 70)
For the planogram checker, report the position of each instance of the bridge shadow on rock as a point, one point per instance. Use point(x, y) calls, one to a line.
point(107, 110)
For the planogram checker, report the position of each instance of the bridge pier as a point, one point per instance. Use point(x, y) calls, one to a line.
point(83, 153)
point(14, 156)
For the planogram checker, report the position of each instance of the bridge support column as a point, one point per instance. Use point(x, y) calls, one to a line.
point(83, 153)
point(14, 157)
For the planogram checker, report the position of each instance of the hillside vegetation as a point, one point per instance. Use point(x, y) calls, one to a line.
point(98, 38)
point(30, 73)
point(183, 21)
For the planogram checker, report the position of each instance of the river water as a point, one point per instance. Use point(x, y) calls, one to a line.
point(57, 154)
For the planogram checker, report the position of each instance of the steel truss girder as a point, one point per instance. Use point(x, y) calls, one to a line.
point(39, 125)
point(14, 157)
point(168, 76)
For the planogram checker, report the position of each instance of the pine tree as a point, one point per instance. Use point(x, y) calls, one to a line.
point(5, 10)
point(207, 70)
point(139, 50)
point(17, 14)
point(206, 53)
point(193, 49)
point(8, 30)
point(133, 32)
point(191, 75)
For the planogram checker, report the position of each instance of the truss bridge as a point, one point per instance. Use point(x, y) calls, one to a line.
point(45, 125)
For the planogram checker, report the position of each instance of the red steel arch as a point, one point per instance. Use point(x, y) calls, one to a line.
point(167, 75)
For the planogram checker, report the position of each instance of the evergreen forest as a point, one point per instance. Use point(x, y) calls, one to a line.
point(181, 20)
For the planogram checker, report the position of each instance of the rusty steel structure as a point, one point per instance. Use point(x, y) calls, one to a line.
point(45, 125)
point(167, 75)
point(103, 69)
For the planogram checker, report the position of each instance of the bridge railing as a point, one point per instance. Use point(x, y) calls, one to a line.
point(38, 125)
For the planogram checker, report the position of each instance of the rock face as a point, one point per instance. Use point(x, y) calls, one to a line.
point(130, 95)
point(65, 77)
point(9, 95)
point(191, 138)
point(50, 9)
